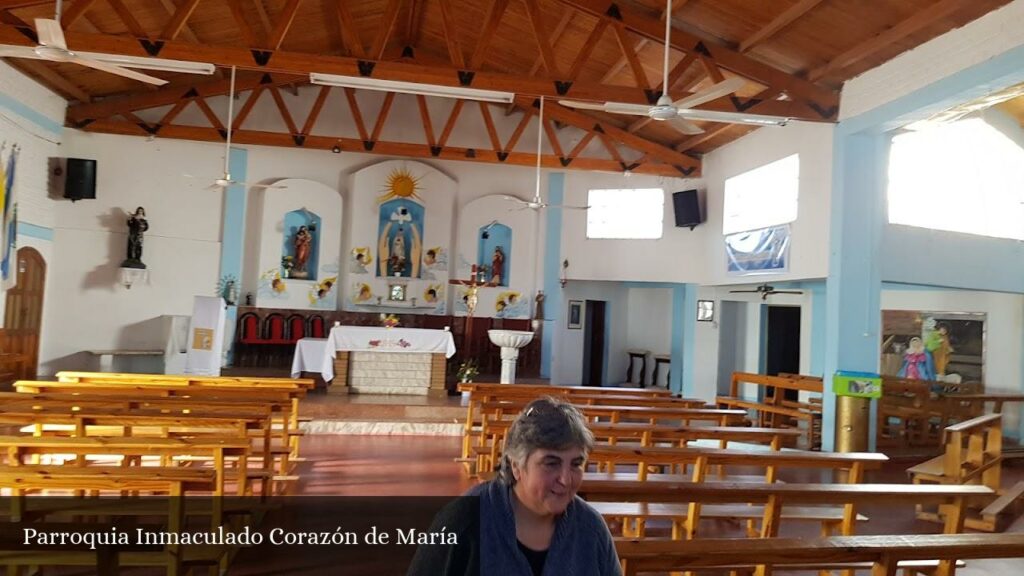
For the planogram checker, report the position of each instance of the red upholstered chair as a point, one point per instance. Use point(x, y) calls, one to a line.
point(296, 327)
point(248, 334)
point(275, 334)
point(316, 326)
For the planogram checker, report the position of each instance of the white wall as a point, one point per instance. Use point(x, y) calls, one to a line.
point(1004, 338)
point(650, 325)
point(567, 352)
point(809, 240)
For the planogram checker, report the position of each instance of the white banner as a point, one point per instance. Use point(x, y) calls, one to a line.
point(206, 337)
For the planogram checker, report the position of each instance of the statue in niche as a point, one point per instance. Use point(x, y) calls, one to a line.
point(137, 224)
point(497, 265)
point(303, 244)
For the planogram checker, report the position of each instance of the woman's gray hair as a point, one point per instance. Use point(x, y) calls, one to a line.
point(545, 424)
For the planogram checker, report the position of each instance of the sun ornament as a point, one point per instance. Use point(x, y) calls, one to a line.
point(401, 184)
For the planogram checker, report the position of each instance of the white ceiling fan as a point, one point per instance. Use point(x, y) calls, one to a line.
point(54, 48)
point(536, 203)
point(226, 180)
point(680, 113)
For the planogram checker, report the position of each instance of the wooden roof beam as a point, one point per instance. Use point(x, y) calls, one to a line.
point(778, 23)
point(559, 31)
point(450, 124)
point(547, 54)
point(387, 27)
point(823, 100)
point(428, 126)
point(129, 20)
point(243, 27)
point(74, 12)
point(349, 32)
point(300, 64)
point(639, 76)
point(451, 35)
point(357, 116)
point(186, 32)
point(284, 23)
point(494, 15)
point(411, 150)
point(640, 45)
point(588, 48)
point(385, 108)
point(413, 23)
point(919, 20)
point(177, 22)
point(52, 78)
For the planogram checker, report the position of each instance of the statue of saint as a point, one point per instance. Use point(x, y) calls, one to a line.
point(497, 265)
point(137, 224)
point(538, 308)
point(303, 244)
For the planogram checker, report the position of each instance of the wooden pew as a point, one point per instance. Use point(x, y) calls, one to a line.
point(915, 411)
point(175, 482)
point(885, 554)
point(777, 497)
point(973, 455)
point(774, 411)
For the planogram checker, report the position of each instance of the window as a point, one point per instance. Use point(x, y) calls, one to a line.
point(763, 197)
point(631, 214)
point(962, 177)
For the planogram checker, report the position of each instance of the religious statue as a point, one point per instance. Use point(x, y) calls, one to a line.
point(303, 245)
point(917, 362)
point(398, 257)
point(497, 265)
point(137, 224)
point(538, 307)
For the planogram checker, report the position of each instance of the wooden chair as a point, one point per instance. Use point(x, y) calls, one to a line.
point(317, 326)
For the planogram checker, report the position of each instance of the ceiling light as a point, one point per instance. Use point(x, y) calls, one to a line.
point(160, 64)
point(412, 88)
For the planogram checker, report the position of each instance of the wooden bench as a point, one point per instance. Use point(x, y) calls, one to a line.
point(885, 554)
point(774, 410)
point(973, 455)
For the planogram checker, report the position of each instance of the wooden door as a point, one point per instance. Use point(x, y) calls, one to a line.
point(23, 314)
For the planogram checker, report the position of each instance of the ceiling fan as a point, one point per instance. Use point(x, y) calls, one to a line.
point(226, 180)
point(765, 290)
point(680, 113)
point(54, 48)
point(536, 203)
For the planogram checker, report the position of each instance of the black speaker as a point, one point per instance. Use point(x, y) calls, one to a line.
point(687, 208)
point(80, 179)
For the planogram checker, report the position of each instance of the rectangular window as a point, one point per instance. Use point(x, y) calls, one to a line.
point(962, 177)
point(763, 197)
point(626, 214)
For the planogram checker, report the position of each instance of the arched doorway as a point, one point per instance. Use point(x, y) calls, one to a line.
point(23, 313)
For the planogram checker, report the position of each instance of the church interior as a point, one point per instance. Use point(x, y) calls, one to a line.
point(770, 251)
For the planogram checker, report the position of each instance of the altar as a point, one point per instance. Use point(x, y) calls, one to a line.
point(372, 360)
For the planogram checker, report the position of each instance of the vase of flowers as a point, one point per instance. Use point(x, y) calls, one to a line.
point(287, 263)
point(467, 371)
point(388, 320)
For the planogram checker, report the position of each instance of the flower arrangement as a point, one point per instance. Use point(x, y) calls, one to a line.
point(467, 371)
point(388, 320)
point(287, 263)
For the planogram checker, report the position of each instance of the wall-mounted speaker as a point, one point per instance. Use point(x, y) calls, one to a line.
point(687, 208)
point(80, 179)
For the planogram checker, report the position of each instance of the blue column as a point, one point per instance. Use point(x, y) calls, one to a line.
point(553, 307)
point(853, 289)
point(233, 239)
point(818, 319)
point(684, 334)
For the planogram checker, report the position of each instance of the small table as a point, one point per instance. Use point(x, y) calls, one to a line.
point(107, 356)
point(309, 356)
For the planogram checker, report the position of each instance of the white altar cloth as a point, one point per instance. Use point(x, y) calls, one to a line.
point(379, 339)
point(309, 356)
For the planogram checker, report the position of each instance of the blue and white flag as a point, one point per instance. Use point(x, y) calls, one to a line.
point(9, 227)
point(758, 251)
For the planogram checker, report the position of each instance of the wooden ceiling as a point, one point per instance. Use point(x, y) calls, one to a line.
point(795, 55)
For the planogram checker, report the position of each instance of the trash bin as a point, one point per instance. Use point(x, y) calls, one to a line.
point(852, 423)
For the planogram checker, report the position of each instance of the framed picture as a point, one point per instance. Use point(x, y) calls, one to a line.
point(575, 314)
point(396, 292)
point(705, 310)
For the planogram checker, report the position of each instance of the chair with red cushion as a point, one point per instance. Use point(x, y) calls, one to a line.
point(248, 335)
point(296, 327)
point(316, 326)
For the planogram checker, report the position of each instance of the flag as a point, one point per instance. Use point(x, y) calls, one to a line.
point(9, 228)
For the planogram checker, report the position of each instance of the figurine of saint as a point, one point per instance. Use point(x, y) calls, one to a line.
point(303, 243)
point(538, 307)
point(497, 265)
point(137, 224)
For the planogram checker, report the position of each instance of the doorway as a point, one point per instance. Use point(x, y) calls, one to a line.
point(23, 312)
point(593, 343)
point(732, 341)
point(782, 346)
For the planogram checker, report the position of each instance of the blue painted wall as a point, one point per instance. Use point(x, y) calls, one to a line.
point(553, 302)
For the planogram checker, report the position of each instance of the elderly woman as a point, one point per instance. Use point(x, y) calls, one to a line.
point(531, 521)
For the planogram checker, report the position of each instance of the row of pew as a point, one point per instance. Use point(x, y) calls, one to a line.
point(117, 442)
point(664, 467)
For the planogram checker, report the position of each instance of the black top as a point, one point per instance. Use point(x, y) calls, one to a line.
point(534, 557)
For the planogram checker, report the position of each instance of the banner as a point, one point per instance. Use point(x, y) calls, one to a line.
point(205, 337)
point(9, 225)
point(758, 251)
